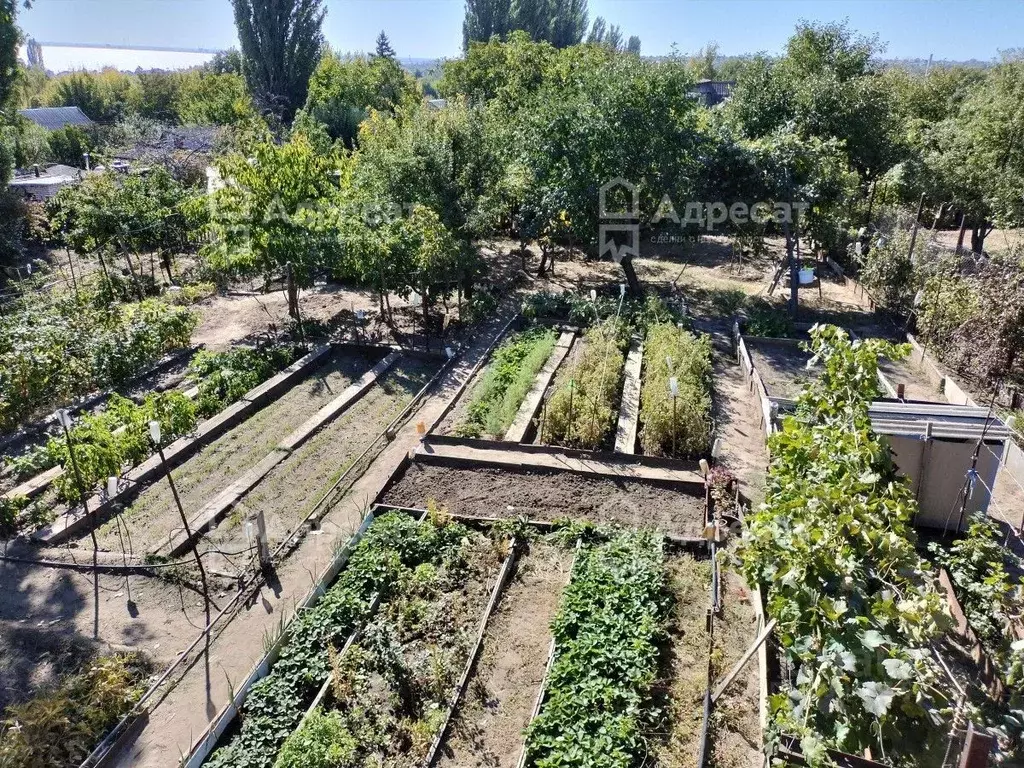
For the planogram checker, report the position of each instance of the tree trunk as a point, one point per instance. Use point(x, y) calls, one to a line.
point(543, 261)
point(963, 231)
point(978, 234)
point(635, 289)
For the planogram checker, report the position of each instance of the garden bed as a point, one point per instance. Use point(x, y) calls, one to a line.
point(152, 517)
point(411, 593)
point(492, 400)
point(287, 494)
point(782, 365)
point(487, 731)
point(547, 496)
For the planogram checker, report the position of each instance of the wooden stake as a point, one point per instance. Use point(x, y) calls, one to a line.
point(743, 661)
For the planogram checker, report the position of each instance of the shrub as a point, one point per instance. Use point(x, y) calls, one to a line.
point(116, 437)
point(224, 377)
point(767, 320)
point(888, 270)
point(510, 375)
point(54, 348)
point(62, 727)
point(690, 358)
point(582, 411)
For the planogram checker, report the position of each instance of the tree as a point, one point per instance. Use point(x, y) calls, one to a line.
point(342, 93)
point(703, 64)
point(384, 49)
point(568, 22)
point(205, 98)
point(976, 157)
point(271, 212)
point(598, 30)
point(614, 40)
point(34, 52)
point(282, 41)
point(9, 40)
point(67, 145)
point(532, 17)
point(633, 45)
point(485, 18)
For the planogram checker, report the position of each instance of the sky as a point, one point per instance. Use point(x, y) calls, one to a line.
point(949, 29)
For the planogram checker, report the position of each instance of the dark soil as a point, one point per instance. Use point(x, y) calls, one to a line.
point(488, 730)
point(783, 367)
point(486, 492)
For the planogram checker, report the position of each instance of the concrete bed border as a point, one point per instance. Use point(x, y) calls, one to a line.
point(531, 404)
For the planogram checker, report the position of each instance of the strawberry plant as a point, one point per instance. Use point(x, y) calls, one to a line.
point(509, 377)
point(682, 428)
point(582, 411)
point(607, 634)
point(832, 545)
point(389, 554)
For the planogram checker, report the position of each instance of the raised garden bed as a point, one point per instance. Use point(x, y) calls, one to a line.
point(548, 496)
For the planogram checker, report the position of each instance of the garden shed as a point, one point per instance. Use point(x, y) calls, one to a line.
point(933, 445)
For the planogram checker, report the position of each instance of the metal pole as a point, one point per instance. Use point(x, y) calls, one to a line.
point(65, 422)
point(673, 425)
point(568, 429)
point(181, 512)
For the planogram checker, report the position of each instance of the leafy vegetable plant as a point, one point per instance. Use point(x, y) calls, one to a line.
point(223, 377)
point(607, 635)
point(508, 378)
point(388, 555)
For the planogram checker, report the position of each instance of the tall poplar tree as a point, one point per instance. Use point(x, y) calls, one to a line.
point(281, 42)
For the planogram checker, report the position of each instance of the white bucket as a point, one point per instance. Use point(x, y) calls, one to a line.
point(806, 276)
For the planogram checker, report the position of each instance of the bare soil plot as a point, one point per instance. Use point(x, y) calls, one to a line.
point(488, 729)
point(916, 384)
point(153, 515)
point(685, 660)
point(735, 740)
point(289, 492)
point(783, 367)
point(487, 492)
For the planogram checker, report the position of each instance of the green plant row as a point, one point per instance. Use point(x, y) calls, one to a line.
point(582, 310)
point(682, 427)
point(388, 555)
point(224, 377)
point(55, 348)
point(858, 608)
point(496, 400)
point(582, 411)
point(607, 633)
point(980, 567)
point(61, 727)
point(390, 691)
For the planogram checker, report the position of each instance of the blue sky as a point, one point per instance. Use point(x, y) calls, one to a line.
point(949, 29)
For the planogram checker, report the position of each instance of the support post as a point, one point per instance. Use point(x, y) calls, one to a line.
point(977, 748)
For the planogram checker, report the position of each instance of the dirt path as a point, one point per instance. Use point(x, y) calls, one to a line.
point(737, 425)
point(208, 685)
point(685, 668)
point(735, 739)
point(488, 730)
point(549, 496)
point(153, 516)
point(287, 494)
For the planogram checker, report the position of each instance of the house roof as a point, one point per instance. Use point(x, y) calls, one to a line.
point(712, 91)
point(54, 118)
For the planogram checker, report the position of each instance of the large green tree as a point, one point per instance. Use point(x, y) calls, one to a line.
point(281, 41)
point(9, 39)
point(976, 157)
point(560, 22)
